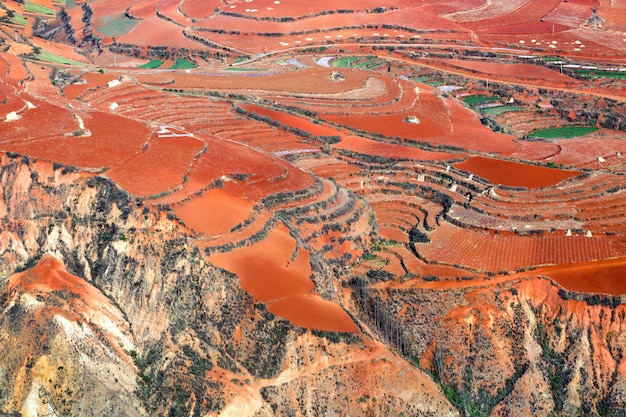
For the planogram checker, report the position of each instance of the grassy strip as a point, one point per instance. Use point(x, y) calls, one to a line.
point(592, 74)
point(58, 59)
point(496, 111)
point(477, 100)
point(18, 19)
point(155, 63)
point(243, 69)
point(116, 25)
point(182, 63)
point(345, 62)
point(562, 132)
point(241, 59)
point(37, 8)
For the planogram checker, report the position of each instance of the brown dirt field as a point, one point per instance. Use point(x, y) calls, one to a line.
point(514, 174)
point(606, 277)
point(159, 168)
point(214, 213)
point(389, 150)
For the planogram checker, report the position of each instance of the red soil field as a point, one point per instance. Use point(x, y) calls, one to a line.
point(89, 80)
point(514, 173)
point(214, 213)
point(442, 122)
point(496, 252)
point(318, 27)
point(520, 71)
point(312, 80)
point(293, 121)
point(586, 149)
point(295, 9)
point(531, 11)
point(156, 31)
point(16, 70)
point(199, 9)
point(160, 168)
point(113, 139)
point(266, 271)
point(531, 28)
point(389, 150)
point(596, 277)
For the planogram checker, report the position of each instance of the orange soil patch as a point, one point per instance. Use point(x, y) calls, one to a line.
point(293, 121)
point(227, 158)
point(113, 138)
point(605, 277)
point(9, 101)
point(50, 275)
point(215, 212)
point(156, 31)
point(199, 9)
point(295, 9)
point(530, 12)
point(332, 24)
point(514, 174)
point(267, 271)
point(89, 80)
point(441, 122)
point(393, 234)
point(496, 252)
point(16, 69)
point(530, 28)
point(59, 49)
point(521, 71)
point(294, 180)
point(312, 80)
point(389, 150)
point(583, 150)
point(536, 151)
point(160, 168)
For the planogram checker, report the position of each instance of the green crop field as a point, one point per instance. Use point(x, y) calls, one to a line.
point(562, 132)
point(36, 8)
point(478, 100)
point(243, 69)
point(155, 63)
point(116, 25)
point(18, 19)
point(620, 75)
point(58, 59)
point(345, 62)
point(182, 63)
point(502, 109)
